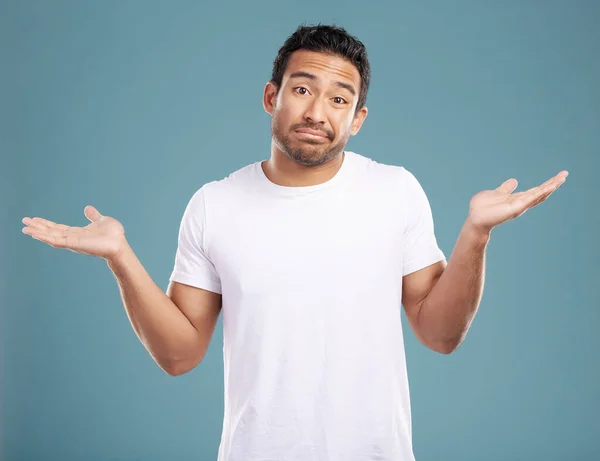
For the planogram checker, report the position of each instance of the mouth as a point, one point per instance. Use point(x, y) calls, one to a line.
point(311, 134)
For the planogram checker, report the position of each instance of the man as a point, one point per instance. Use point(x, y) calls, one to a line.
point(309, 256)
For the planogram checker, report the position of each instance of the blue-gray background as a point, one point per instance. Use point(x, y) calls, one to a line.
point(132, 106)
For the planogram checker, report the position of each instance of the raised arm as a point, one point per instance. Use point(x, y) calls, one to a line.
point(175, 329)
point(441, 300)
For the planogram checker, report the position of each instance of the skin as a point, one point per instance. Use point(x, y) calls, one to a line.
point(440, 300)
point(315, 102)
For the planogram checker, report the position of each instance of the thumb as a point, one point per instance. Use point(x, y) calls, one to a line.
point(91, 213)
point(508, 186)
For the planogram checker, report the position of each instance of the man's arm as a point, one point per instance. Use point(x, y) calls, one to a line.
point(441, 300)
point(175, 327)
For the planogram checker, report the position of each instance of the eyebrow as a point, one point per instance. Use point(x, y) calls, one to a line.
point(310, 76)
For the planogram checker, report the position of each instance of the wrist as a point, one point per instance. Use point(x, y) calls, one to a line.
point(120, 257)
point(477, 232)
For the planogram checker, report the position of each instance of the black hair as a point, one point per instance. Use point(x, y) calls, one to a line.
point(326, 39)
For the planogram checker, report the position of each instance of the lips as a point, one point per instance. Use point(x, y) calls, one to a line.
point(313, 133)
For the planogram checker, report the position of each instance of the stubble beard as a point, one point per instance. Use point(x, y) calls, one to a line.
point(306, 155)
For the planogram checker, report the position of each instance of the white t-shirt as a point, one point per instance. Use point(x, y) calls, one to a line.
point(311, 282)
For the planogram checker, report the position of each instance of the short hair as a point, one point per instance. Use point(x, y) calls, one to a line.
point(326, 39)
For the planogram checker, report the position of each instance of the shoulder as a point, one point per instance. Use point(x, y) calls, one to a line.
point(229, 187)
point(396, 175)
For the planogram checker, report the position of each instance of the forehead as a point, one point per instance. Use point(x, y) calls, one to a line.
point(325, 66)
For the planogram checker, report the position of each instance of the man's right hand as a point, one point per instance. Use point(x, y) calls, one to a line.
point(104, 237)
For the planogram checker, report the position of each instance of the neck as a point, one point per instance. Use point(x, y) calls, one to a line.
point(283, 171)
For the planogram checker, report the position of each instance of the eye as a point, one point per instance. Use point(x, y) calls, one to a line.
point(300, 88)
point(341, 100)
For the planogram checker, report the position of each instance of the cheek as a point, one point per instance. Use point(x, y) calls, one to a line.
point(344, 127)
point(284, 113)
point(279, 116)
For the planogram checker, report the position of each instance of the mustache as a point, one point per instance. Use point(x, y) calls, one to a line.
point(315, 128)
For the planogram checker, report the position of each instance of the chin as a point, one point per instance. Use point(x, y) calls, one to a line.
point(310, 157)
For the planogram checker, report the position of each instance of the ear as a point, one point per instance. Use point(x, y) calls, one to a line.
point(269, 97)
point(359, 118)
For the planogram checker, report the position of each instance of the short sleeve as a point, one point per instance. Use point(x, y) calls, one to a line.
point(192, 263)
point(420, 245)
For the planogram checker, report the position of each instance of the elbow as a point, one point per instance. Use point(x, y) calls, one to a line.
point(175, 370)
point(180, 363)
point(170, 368)
point(439, 345)
point(446, 347)
point(178, 368)
point(447, 344)
point(445, 350)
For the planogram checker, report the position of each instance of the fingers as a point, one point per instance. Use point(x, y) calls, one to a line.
point(92, 213)
point(548, 186)
point(56, 235)
point(508, 186)
point(41, 223)
point(536, 195)
point(540, 199)
point(60, 238)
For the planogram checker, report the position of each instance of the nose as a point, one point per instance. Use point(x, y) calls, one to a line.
point(315, 112)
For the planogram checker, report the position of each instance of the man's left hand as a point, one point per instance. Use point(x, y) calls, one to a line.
point(490, 208)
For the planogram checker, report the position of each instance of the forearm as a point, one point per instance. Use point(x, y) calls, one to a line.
point(449, 308)
point(163, 329)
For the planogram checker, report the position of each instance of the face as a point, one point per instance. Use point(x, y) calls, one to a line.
point(313, 113)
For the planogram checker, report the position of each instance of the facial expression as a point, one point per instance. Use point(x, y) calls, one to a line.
point(313, 113)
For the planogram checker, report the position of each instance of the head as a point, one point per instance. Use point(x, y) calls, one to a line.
point(319, 83)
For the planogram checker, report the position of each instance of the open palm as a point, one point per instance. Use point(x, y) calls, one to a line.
point(490, 208)
point(104, 237)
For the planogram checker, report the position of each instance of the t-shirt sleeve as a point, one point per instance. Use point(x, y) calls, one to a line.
point(420, 245)
point(192, 263)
